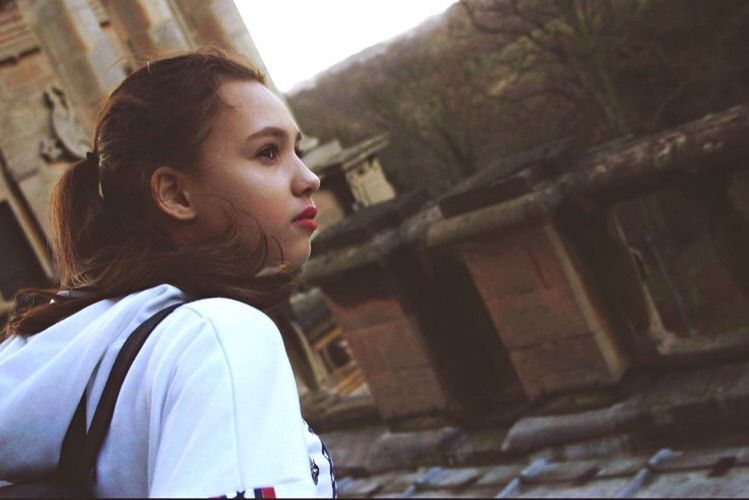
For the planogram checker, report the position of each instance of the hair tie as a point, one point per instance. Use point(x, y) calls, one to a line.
point(93, 158)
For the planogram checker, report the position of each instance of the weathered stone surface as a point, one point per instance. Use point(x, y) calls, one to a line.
point(377, 308)
point(678, 401)
point(24, 119)
point(401, 347)
point(567, 364)
point(499, 475)
point(38, 189)
point(480, 491)
point(479, 447)
point(404, 449)
point(703, 459)
point(537, 317)
point(539, 432)
point(623, 466)
point(735, 484)
point(439, 477)
point(512, 261)
point(73, 40)
point(509, 177)
point(440, 494)
point(359, 488)
point(565, 471)
point(396, 482)
point(598, 489)
point(147, 27)
point(407, 392)
point(350, 448)
point(598, 447)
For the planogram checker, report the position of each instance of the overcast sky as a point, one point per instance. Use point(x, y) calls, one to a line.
point(299, 38)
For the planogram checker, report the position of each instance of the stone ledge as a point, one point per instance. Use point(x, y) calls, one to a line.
point(672, 402)
point(406, 449)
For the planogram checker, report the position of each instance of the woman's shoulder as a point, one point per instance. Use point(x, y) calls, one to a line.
point(225, 312)
point(234, 324)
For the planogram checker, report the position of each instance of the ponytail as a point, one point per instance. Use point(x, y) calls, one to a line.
point(77, 204)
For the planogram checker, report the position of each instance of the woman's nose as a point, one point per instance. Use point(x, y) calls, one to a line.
point(308, 182)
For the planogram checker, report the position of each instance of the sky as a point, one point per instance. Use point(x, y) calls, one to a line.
point(299, 38)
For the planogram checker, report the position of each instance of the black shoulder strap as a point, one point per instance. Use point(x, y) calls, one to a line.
point(80, 449)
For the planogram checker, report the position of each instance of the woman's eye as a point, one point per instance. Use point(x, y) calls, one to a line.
point(299, 153)
point(269, 152)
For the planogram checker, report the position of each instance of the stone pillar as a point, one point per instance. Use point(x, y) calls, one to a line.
point(557, 339)
point(376, 314)
point(147, 28)
point(218, 23)
point(84, 58)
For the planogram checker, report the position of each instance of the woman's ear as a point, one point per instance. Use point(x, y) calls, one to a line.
point(171, 193)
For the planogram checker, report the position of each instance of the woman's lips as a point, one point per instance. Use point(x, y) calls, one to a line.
point(306, 218)
point(306, 223)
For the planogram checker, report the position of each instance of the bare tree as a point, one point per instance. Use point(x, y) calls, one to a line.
point(563, 49)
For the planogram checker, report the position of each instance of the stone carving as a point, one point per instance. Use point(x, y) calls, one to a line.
point(68, 136)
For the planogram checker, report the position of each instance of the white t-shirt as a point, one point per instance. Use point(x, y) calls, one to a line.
point(208, 408)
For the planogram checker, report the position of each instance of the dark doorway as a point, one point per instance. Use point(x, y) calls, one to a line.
point(19, 267)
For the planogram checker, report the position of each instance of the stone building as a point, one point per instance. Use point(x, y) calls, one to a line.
point(557, 271)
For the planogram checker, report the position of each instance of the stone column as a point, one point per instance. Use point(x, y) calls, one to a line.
point(84, 58)
point(557, 338)
point(375, 312)
point(147, 28)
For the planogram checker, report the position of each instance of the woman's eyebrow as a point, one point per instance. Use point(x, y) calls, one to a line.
point(277, 132)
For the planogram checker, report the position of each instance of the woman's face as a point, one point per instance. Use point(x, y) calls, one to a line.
point(251, 159)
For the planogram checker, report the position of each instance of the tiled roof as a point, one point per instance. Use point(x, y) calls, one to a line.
point(688, 440)
point(716, 472)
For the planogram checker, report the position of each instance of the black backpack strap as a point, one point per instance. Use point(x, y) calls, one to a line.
point(80, 449)
point(72, 445)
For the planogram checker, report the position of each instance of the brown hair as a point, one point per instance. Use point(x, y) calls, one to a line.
point(103, 240)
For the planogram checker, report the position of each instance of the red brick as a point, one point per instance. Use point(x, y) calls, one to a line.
point(544, 315)
point(555, 366)
point(421, 391)
point(384, 391)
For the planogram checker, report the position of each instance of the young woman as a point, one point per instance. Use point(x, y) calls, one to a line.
point(194, 191)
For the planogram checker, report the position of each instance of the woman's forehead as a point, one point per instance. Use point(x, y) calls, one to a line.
point(252, 107)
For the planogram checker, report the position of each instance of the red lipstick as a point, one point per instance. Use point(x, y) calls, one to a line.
point(306, 218)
